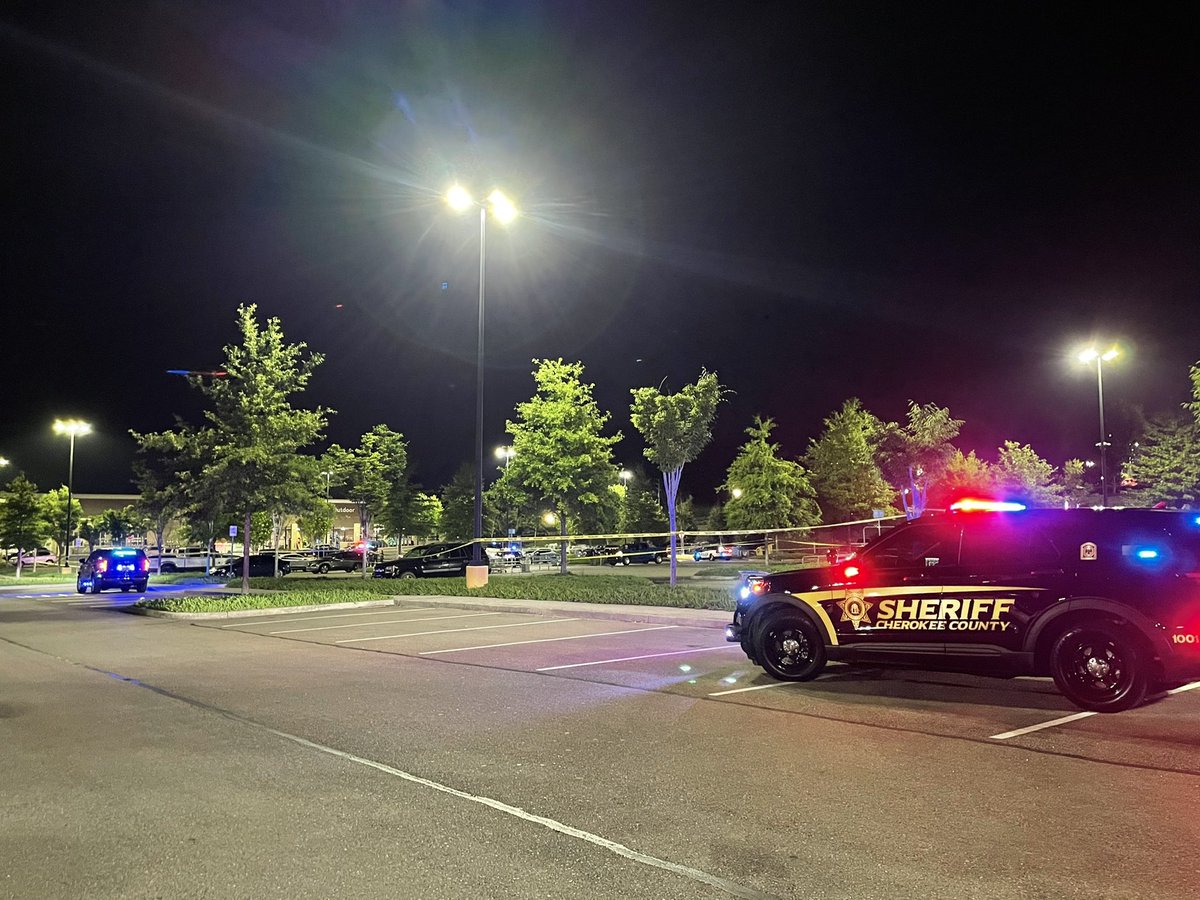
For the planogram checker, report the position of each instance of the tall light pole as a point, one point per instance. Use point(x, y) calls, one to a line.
point(1087, 356)
point(70, 427)
point(505, 453)
point(503, 210)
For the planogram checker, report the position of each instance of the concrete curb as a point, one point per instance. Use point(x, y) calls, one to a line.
point(251, 613)
point(651, 615)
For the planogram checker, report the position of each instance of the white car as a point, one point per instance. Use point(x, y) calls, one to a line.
point(39, 557)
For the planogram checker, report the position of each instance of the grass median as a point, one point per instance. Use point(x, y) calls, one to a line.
point(274, 593)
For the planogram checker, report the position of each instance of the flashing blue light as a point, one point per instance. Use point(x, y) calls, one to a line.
point(1147, 554)
point(1196, 520)
point(745, 593)
point(124, 553)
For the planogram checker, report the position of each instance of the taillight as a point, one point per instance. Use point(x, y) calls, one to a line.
point(144, 564)
point(102, 564)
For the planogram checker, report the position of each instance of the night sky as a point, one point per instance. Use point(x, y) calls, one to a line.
point(817, 201)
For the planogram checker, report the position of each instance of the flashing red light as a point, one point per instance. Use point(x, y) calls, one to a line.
point(850, 572)
point(102, 564)
point(973, 505)
point(758, 587)
point(144, 564)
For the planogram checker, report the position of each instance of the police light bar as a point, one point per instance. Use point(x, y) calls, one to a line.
point(971, 505)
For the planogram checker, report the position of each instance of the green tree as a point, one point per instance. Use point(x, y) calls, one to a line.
point(458, 505)
point(507, 505)
point(765, 490)
point(368, 475)
point(412, 512)
point(561, 456)
point(119, 524)
point(1019, 471)
point(55, 503)
point(640, 510)
point(676, 428)
point(685, 515)
point(316, 522)
point(1194, 406)
point(23, 521)
point(90, 531)
point(914, 456)
point(254, 434)
point(1165, 463)
point(963, 475)
point(1072, 486)
point(842, 465)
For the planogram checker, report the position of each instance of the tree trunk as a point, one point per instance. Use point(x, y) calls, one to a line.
point(246, 556)
point(671, 486)
point(562, 547)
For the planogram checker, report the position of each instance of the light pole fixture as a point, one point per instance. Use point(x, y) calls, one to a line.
point(503, 211)
point(626, 476)
point(1089, 355)
point(736, 493)
point(505, 453)
point(328, 476)
point(71, 428)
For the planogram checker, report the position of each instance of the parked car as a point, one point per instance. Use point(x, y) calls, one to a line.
point(428, 560)
point(719, 551)
point(543, 556)
point(39, 557)
point(123, 567)
point(40, 554)
point(342, 561)
point(637, 552)
point(262, 565)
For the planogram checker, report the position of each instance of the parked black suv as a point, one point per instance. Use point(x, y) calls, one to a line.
point(123, 567)
point(262, 565)
point(638, 552)
point(428, 560)
point(1107, 602)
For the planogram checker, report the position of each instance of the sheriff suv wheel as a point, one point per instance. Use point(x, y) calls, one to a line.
point(1099, 667)
point(789, 646)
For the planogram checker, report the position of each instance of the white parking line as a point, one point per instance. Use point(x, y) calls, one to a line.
point(757, 687)
point(275, 620)
point(387, 622)
point(1075, 717)
point(600, 662)
point(577, 637)
point(388, 637)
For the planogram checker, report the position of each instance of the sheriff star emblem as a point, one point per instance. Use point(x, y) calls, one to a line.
point(855, 609)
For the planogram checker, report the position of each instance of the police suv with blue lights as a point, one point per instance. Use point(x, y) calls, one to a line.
point(123, 567)
point(1107, 602)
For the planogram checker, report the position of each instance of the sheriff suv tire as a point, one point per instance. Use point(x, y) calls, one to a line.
point(789, 646)
point(1099, 667)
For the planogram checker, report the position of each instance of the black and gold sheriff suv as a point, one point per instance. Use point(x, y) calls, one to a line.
point(1107, 602)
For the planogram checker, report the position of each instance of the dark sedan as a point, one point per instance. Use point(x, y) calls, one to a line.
point(262, 565)
point(342, 561)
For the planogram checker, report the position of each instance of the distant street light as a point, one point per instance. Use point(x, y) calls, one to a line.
point(503, 211)
point(505, 453)
point(626, 476)
point(3, 462)
point(327, 476)
point(737, 493)
point(70, 427)
point(1087, 356)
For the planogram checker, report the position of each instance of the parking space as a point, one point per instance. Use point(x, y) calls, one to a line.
point(1025, 712)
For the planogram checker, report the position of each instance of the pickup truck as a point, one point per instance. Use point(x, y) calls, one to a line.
point(184, 559)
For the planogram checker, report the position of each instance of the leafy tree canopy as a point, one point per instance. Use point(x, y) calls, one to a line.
point(915, 455)
point(1020, 472)
point(765, 490)
point(842, 466)
point(1165, 464)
